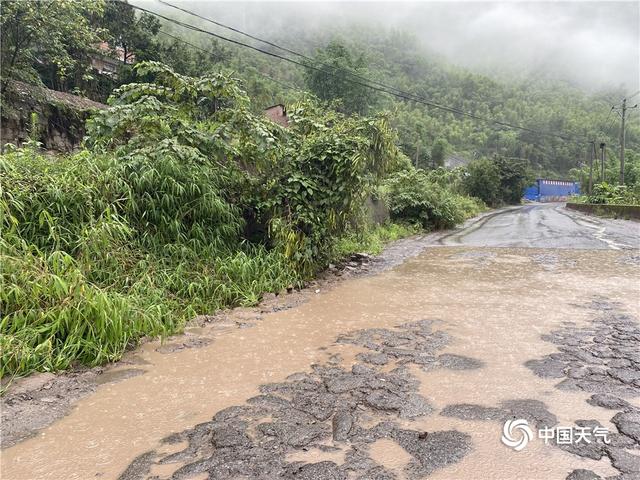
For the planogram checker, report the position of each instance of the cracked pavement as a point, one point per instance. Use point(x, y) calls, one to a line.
point(407, 372)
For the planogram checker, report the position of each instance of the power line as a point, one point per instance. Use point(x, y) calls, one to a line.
point(399, 92)
point(633, 95)
point(257, 72)
point(383, 89)
point(281, 48)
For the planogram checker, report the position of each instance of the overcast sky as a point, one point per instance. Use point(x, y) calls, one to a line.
point(594, 44)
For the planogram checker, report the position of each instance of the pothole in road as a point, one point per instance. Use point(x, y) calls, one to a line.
point(603, 359)
point(330, 423)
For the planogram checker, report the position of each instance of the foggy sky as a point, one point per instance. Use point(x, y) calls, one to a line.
point(592, 44)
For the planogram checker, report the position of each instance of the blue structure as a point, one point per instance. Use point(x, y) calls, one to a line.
point(544, 190)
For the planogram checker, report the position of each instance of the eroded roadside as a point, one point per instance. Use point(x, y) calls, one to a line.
point(35, 402)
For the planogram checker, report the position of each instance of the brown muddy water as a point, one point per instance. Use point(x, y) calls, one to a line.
point(494, 303)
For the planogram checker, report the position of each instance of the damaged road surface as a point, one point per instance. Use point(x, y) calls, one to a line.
point(411, 371)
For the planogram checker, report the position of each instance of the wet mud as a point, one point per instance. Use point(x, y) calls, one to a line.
point(353, 382)
point(330, 409)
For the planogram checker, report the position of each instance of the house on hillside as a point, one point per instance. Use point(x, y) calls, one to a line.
point(108, 60)
point(277, 113)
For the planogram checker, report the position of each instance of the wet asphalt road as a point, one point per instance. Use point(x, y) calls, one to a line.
point(547, 225)
point(405, 374)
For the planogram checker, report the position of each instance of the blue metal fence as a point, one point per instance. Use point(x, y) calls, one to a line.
point(544, 190)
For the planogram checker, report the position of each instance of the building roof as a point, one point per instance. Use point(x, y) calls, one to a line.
point(52, 96)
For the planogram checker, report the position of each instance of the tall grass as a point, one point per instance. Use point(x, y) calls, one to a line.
point(97, 253)
point(52, 316)
point(372, 239)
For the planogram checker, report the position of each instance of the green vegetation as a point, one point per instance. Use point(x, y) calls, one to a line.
point(606, 189)
point(372, 240)
point(428, 136)
point(56, 36)
point(185, 202)
point(496, 181)
point(414, 197)
point(607, 194)
point(185, 199)
point(332, 78)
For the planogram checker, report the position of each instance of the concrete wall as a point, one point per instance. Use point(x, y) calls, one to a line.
point(377, 211)
point(616, 211)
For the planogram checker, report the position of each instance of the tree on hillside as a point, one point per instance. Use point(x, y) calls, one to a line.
point(332, 78)
point(187, 60)
point(514, 177)
point(135, 34)
point(438, 153)
point(497, 180)
point(482, 180)
point(47, 33)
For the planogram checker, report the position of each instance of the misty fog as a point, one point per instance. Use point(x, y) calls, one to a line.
point(591, 44)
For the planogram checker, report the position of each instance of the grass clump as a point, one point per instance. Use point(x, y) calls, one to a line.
point(372, 239)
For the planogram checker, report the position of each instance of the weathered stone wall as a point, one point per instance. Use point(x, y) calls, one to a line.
point(377, 210)
point(61, 116)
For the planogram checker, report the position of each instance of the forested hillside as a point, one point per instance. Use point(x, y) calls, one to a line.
point(392, 57)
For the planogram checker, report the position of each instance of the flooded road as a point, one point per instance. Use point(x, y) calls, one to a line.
point(409, 373)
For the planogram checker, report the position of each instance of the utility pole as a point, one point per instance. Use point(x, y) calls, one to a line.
point(591, 150)
point(623, 116)
point(602, 147)
point(417, 154)
point(624, 111)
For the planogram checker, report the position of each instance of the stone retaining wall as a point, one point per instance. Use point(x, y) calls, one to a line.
point(616, 211)
point(61, 116)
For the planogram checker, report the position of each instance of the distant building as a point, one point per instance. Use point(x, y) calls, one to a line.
point(544, 190)
point(278, 114)
point(107, 61)
point(454, 160)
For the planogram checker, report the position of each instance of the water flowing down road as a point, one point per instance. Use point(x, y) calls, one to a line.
point(480, 355)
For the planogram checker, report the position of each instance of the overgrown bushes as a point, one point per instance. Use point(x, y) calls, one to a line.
point(496, 181)
point(413, 197)
point(146, 228)
point(185, 202)
point(607, 194)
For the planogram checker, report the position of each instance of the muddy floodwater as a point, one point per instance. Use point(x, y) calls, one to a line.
point(409, 373)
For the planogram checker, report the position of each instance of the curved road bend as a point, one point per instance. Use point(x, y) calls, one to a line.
point(546, 225)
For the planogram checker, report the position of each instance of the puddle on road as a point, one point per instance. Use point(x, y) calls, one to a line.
point(316, 455)
point(495, 308)
point(390, 455)
point(490, 459)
